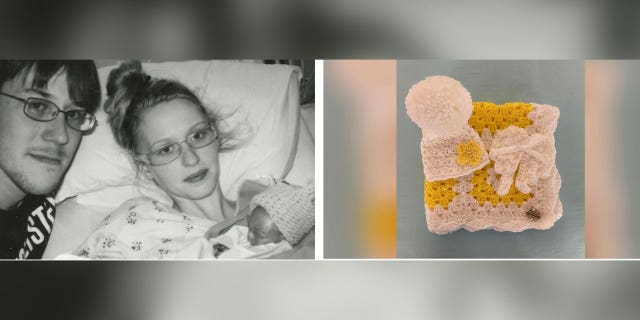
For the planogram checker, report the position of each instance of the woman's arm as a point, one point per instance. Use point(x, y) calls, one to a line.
point(247, 191)
point(224, 226)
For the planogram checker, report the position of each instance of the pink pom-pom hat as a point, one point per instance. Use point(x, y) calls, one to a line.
point(441, 107)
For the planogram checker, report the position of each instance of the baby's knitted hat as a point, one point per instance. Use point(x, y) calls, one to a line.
point(292, 208)
point(441, 107)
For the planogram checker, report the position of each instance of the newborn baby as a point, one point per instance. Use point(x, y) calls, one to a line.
point(280, 217)
point(262, 229)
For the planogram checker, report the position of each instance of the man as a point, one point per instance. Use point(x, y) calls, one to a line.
point(45, 109)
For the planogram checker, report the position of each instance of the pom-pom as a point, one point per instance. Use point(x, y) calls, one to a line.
point(439, 104)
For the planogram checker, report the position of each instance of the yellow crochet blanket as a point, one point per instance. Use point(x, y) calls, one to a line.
point(477, 205)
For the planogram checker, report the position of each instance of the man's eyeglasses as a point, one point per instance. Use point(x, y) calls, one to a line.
point(202, 136)
point(44, 110)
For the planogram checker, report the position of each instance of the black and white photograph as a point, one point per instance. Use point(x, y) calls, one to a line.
point(137, 159)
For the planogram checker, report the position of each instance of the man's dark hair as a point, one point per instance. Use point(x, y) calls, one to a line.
point(82, 77)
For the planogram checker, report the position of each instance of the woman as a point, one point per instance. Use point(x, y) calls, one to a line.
point(175, 142)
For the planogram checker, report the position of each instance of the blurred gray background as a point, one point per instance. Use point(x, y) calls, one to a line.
point(559, 83)
point(624, 144)
point(340, 174)
point(325, 29)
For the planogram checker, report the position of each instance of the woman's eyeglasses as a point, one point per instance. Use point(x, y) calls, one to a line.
point(44, 110)
point(169, 152)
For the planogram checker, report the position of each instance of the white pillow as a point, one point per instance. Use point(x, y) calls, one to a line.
point(303, 170)
point(261, 98)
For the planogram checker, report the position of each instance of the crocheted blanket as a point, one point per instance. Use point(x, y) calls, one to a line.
point(472, 201)
point(486, 166)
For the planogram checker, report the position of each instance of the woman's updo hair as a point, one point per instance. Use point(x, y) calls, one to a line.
point(130, 92)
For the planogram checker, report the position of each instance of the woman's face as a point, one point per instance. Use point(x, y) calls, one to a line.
point(194, 173)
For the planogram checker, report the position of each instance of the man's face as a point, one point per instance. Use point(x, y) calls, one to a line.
point(35, 155)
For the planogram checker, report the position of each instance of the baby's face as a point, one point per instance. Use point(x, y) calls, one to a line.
point(262, 230)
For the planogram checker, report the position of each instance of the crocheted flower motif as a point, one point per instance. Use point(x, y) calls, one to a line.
point(469, 153)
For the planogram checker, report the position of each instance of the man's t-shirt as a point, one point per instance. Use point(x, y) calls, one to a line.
point(25, 230)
